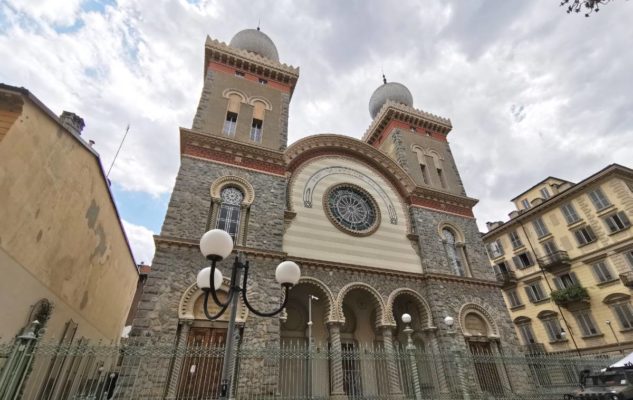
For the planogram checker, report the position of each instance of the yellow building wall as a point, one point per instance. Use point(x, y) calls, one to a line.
point(610, 248)
point(60, 237)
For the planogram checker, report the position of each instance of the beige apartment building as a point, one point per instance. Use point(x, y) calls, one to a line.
point(565, 263)
point(64, 258)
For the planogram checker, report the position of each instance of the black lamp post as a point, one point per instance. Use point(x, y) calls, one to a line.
point(216, 245)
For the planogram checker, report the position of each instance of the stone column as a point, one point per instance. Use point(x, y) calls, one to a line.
point(179, 357)
point(337, 390)
point(392, 368)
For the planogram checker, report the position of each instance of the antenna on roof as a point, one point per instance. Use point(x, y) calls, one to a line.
point(259, 22)
point(117, 152)
point(384, 79)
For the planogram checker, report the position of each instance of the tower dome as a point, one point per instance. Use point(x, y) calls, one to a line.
point(389, 91)
point(257, 42)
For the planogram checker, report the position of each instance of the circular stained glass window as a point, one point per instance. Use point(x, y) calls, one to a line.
point(231, 195)
point(352, 209)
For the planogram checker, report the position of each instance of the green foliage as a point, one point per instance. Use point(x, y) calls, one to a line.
point(570, 295)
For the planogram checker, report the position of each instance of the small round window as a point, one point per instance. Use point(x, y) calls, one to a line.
point(352, 209)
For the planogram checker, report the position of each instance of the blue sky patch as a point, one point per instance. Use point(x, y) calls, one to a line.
point(141, 208)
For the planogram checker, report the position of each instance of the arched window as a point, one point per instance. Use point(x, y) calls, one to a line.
point(229, 213)
point(453, 253)
point(257, 126)
point(233, 109)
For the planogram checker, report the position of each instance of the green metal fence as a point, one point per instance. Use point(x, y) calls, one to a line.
point(154, 370)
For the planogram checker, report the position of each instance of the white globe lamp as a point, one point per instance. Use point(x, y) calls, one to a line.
point(288, 273)
point(203, 279)
point(216, 244)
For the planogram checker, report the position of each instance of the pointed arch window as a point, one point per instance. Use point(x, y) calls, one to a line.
point(230, 210)
point(233, 109)
point(454, 252)
point(257, 125)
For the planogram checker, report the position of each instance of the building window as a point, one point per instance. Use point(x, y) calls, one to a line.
point(586, 323)
point(545, 193)
point(570, 214)
point(525, 328)
point(256, 130)
point(523, 260)
point(565, 281)
point(516, 240)
point(584, 235)
point(239, 73)
point(263, 81)
point(602, 272)
point(598, 199)
point(503, 267)
point(230, 123)
point(550, 247)
point(230, 210)
point(453, 252)
point(513, 298)
point(525, 203)
point(440, 174)
point(425, 174)
point(624, 313)
point(617, 222)
point(553, 328)
point(535, 292)
point(539, 227)
point(629, 257)
point(496, 249)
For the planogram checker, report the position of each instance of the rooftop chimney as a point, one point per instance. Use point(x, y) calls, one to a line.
point(493, 225)
point(73, 122)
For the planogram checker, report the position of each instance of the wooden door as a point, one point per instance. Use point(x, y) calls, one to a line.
point(201, 371)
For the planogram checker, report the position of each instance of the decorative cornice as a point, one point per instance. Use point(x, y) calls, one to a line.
point(221, 52)
point(312, 263)
point(392, 110)
point(229, 151)
point(331, 144)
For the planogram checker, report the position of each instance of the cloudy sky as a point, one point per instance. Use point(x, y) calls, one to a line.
point(530, 90)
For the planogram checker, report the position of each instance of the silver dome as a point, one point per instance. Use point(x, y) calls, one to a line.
point(389, 91)
point(257, 42)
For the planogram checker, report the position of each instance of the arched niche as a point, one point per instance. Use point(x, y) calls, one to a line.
point(476, 321)
point(422, 307)
point(374, 297)
point(192, 303)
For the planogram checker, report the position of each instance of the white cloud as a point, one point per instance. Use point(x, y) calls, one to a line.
point(142, 242)
point(140, 62)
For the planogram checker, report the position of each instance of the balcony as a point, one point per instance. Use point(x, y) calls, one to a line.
point(627, 279)
point(573, 295)
point(533, 348)
point(555, 260)
point(506, 278)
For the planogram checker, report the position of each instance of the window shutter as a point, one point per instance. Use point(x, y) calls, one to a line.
point(624, 218)
point(517, 262)
point(558, 283)
point(530, 294)
point(572, 275)
point(529, 257)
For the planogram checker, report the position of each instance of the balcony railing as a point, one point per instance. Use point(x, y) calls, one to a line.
point(506, 278)
point(554, 260)
point(627, 279)
point(571, 295)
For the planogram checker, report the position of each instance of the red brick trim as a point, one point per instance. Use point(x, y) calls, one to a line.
point(219, 67)
point(441, 206)
point(232, 159)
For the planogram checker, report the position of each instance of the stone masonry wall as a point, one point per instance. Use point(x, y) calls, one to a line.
point(432, 253)
point(190, 203)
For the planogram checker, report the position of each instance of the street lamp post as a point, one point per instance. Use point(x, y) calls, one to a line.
point(310, 347)
point(457, 356)
point(406, 318)
point(216, 245)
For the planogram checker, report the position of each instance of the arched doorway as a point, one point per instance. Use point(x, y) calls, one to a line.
point(363, 310)
point(304, 368)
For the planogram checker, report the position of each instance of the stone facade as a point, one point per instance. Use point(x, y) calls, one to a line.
point(283, 216)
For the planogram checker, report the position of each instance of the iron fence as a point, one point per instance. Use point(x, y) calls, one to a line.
point(156, 370)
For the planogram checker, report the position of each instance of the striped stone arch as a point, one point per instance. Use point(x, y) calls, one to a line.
point(421, 302)
point(375, 295)
point(228, 92)
point(267, 105)
point(193, 292)
point(330, 313)
point(481, 312)
point(232, 180)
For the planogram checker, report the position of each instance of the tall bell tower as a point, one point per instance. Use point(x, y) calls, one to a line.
point(246, 92)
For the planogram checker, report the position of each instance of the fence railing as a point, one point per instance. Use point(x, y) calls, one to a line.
point(154, 370)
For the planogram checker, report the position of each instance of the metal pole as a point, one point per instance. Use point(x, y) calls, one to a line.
point(227, 373)
point(616, 337)
point(309, 321)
